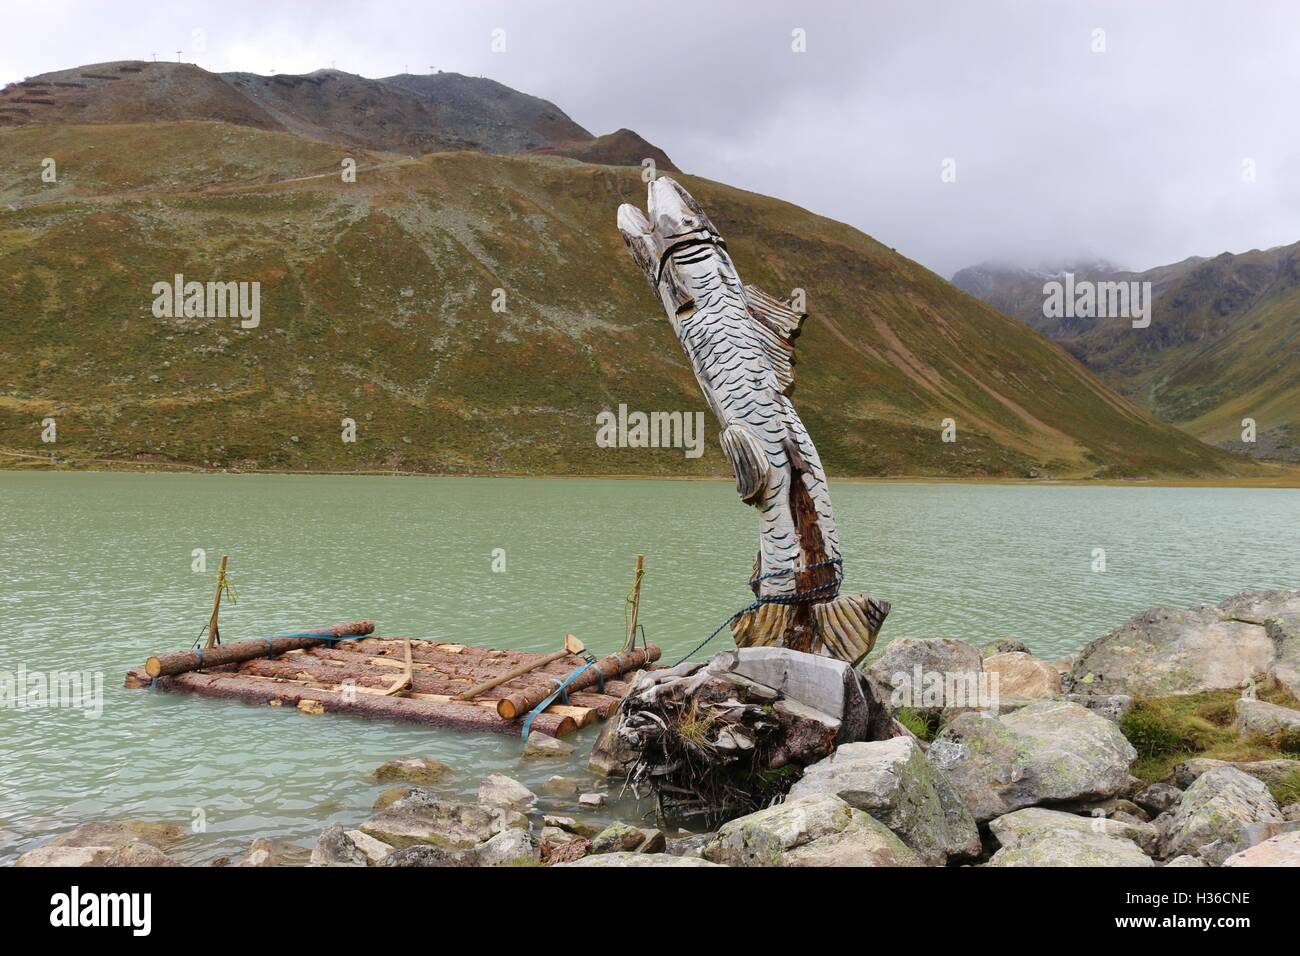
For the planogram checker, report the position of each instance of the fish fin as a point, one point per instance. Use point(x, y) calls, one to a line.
point(778, 326)
point(748, 461)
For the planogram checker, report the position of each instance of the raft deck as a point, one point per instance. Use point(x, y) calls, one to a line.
point(356, 677)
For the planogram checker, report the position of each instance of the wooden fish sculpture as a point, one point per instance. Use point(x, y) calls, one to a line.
point(740, 341)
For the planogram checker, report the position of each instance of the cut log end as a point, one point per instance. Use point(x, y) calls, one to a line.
point(153, 667)
point(846, 628)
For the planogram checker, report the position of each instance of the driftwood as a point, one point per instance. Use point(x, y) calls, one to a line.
point(616, 665)
point(178, 662)
point(740, 341)
point(728, 736)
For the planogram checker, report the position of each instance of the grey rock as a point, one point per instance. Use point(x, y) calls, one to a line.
point(1023, 827)
point(1213, 810)
point(892, 781)
point(1050, 751)
point(1171, 651)
point(655, 841)
point(120, 833)
point(1271, 772)
point(427, 855)
point(1158, 798)
point(66, 856)
point(1110, 706)
point(335, 848)
point(419, 818)
point(1004, 645)
point(809, 831)
point(1291, 813)
point(1186, 860)
point(638, 859)
point(138, 853)
point(423, 770)
point(617, 838)
point(559, 787)
point(929, 675)
point(375, 850)
point(542, 746)
point(1282, 850)
point(498, 790)
point(513, 847)
point(1067, 847)
point(592, 800)
point(1284, 632)
point(1260, 717)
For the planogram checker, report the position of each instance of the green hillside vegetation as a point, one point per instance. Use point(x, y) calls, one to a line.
point(1223, 345)
point(376, 305)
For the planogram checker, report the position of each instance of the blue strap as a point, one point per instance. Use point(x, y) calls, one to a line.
point(270, 650)
point(561, 689)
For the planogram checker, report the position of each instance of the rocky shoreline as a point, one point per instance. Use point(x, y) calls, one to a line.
point(1174, 740)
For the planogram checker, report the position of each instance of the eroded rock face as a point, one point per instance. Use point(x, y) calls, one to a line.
point(1171, 651)
point(1282, 850)
point(809, 831)
point(892, 781)
point(1023, 827)
point(1052, 751)
point(1207, 821)
point(1023, 676)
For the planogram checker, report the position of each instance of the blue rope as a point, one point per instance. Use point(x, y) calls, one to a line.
point(799, 597)
point(561, 689)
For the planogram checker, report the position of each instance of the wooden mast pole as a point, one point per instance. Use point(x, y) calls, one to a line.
point(635, 600)
point(214, 635)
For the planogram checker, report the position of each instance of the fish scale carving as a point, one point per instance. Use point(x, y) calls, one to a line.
point(740, 342)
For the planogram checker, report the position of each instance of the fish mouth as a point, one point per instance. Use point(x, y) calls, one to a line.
point(679, 222)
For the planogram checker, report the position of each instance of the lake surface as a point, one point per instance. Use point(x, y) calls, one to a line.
point(95, 573)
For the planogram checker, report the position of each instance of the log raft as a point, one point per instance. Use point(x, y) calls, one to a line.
point(347, 671)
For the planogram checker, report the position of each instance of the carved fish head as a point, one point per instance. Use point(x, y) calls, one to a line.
point(676, 246)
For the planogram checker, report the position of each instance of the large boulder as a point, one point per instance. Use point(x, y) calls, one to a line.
point(892, 781)
point(1259, 717)
point(1063, 847)
point(809, 831)
point(931, 675)
point(422, 819)
point(139, 853)
point(120, 833)
point(1272, 772)
point(1282, 850)
point(639, 859)
point(1021, 675)
point(1284, 632)
point(66, 856)
point(1018, 829)
point(1171, 651)
point(1051, 751)
point(1214, 809)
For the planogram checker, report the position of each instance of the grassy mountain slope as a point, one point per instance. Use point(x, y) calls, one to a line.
point(377, 305)
point(408, 113)
point(1223, 345)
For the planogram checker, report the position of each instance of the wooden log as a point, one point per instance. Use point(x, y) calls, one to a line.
point(466, 672)
point(178, 662)
point(451, 714)
point(616, 665)
point(331, 673)
point(571, 646)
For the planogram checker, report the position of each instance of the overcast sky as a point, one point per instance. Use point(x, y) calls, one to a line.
point(1142, 154)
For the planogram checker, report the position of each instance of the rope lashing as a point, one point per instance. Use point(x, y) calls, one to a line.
point(562, 689)
point(799, 597)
